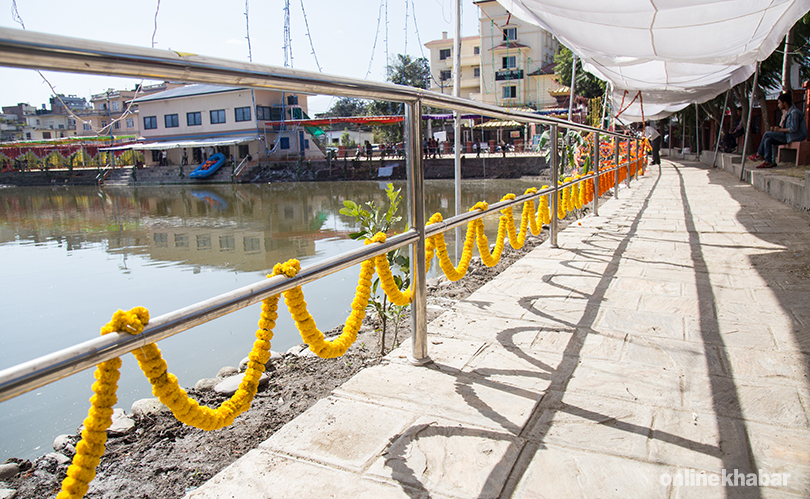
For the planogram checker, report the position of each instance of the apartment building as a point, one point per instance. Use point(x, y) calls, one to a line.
point(441, 65)
point(510, 63)
point(111, 107)
point(197, 119)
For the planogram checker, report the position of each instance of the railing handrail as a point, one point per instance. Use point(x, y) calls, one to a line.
point(38, 372)
point(240, 167)
point(27, 49)
point(33, 50)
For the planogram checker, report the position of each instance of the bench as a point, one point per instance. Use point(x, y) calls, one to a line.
point(799, 150)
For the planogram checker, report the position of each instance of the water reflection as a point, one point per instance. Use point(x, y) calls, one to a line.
point(70, 256)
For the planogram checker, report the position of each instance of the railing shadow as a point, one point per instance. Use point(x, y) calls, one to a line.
point(724, 394)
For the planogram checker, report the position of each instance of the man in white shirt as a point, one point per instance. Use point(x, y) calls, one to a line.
point(655, 139)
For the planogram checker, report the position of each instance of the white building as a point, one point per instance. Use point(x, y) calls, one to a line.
point(509, 63)
point(234, 121)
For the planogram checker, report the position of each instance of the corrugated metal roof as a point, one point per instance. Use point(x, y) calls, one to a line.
point(188, 91)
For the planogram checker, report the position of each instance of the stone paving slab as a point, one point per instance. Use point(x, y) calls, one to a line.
point(667, 339)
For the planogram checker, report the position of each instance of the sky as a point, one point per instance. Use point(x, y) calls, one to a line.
point(343, 35)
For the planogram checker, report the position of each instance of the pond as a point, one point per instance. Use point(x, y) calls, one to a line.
point(71, 256)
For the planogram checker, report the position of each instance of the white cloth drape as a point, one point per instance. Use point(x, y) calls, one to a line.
point(676, 52)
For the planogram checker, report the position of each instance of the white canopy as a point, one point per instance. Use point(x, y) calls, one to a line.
point(675, 52)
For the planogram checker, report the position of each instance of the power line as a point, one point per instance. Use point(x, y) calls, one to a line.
point(374, 47)
point(247, 29)
point(419, 41)
point(406, 26)
point(387, 56)
point(312, 45)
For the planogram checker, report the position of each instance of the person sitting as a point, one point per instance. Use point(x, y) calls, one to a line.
point(793, 128)
point(735, 131)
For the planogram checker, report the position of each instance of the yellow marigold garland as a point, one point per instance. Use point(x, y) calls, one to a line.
point(164, 384)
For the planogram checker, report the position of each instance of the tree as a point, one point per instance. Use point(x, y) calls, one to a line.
point(587, 85)
point(403, 70)
point(346, 106)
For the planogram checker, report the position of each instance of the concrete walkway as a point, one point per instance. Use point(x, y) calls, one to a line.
point(662, 343)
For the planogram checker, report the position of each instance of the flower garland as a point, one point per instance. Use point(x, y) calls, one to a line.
point(304, 322)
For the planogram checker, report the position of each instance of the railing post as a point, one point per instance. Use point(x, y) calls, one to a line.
point(627, 164)
point(555, 169)
point(638, 158)
point(616, 165)
point(596, 171)
point(416, 219)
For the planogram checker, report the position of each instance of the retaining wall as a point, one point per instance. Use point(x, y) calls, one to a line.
point(792, 191)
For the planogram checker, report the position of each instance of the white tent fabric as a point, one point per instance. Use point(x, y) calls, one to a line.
point(675, 52)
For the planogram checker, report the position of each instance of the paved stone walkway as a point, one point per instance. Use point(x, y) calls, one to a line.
point(663, 342)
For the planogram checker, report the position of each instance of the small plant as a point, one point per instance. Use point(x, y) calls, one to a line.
point(372, 220)
point(568, 146)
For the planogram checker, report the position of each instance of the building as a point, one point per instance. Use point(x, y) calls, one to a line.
point(198, 119)
point(60, 104)
point(441, 65)
point(113, 106)
point(20, 110)
point(509, 63)
point(47, 125)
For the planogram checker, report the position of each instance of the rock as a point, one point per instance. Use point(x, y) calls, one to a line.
point(307, 353)
point(8, 470)
point(121, 423)
point(148, 407)
point(274, 356)
point(59, 458)
point(433, 282)
point(227, 371)
point(206, 384)
point(228, 386)
point(63, 443)
point(8, 493)
point(296, 350)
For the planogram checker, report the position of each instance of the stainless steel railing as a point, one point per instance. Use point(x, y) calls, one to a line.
point(47, 52)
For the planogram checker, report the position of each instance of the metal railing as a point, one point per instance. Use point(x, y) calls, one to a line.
point(25, 49)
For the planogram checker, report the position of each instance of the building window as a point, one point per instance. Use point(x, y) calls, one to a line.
point(114, 105)
point(444, 54)
point(510, 92)
point(87, 126)
point(46, 135)
point(244, 150)
point(27, 135)
point(477, 71)
point(242, 113)
point(476, 50)
point(509, 62)
point(445, 75)
point(161, 239)
point(130, 123)
point(217, 116)
point(263, 113)
point(227, 243)
point(251, 244)
point(71, 122)
point(171, 120)
point(103, 124)
point(204, 242)
point(194, 119)
point(181, 240)
point(276, 113)
point(37, 121)
point(510, 34)
point(284, 142)
point(117, 125)
point(150, 122)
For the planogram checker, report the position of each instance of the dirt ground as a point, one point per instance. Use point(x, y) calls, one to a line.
point(163, 458)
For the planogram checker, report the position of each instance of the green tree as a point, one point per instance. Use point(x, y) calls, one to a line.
point(402, 70)
point(587, 85)
point(346, 106)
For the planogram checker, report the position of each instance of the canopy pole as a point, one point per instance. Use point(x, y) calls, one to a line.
point(457, 138)
point(697, 133)
point(722, 117)
point(683, 135)
point(573, 82)
point(748, 122)
point(786, 61)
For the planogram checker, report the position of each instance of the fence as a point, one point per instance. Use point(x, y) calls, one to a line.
point(46, 52)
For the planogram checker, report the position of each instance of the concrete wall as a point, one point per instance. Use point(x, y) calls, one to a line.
point(790, 190)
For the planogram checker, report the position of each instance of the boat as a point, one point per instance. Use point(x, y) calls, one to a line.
point(209, 167)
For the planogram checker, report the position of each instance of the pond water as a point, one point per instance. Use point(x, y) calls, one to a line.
point(71, 256)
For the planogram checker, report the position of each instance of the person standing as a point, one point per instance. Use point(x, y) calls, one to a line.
point(655, 140)
point(792, 128)
point(185, 158)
